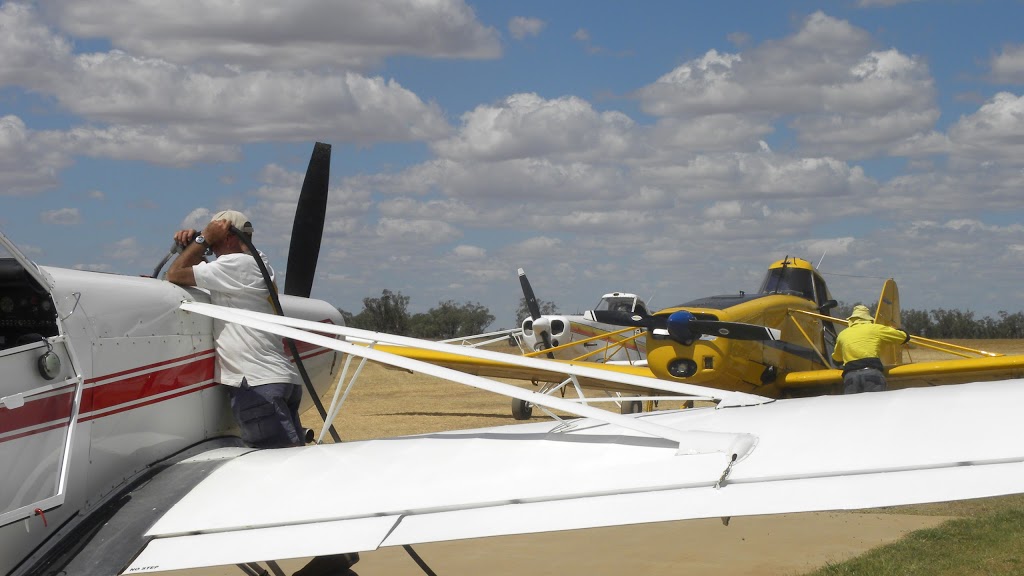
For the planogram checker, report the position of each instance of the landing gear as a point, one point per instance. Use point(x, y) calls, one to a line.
point(521, 409)
point(631, 407)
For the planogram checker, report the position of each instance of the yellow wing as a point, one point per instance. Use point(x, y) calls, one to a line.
point(917, 374)
point(495, 369)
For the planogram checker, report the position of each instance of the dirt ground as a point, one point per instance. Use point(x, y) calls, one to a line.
point(387, 403)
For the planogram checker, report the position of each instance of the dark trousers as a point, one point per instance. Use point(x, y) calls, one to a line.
point(268, 415)
point(863, 380)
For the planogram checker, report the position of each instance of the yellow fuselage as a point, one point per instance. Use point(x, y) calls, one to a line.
point(744, 365)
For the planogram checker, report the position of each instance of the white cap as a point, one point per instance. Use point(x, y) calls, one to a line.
point(236, 219)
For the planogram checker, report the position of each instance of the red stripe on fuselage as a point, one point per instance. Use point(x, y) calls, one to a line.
point(115, 393)
point(38, 411)
point(119, 392)
point(132, 388)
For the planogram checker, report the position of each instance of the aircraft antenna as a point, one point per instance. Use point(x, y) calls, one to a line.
point(818, 267)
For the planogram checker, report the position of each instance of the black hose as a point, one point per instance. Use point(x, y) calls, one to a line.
point(175, 249)
point(291, 343)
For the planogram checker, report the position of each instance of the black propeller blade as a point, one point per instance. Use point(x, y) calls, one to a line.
point(531, 304)
point(308, 227)
point(684, 327)
point(623, 318)
point(734, 330)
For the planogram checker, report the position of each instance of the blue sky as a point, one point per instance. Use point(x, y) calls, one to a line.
point(671, 149)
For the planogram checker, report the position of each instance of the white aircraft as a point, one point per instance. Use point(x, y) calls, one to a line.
point(580, 337)
point(104, 377)
point(116, 454)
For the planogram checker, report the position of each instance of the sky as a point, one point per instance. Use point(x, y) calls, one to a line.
point(669, 149)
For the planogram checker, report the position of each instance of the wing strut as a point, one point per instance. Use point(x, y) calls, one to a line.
point(734, 445)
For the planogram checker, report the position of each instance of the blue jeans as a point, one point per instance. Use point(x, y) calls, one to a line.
point(863, 380)
point(268, 415)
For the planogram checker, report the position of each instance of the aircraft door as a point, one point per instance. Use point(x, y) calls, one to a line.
point(40, 391)
point(37, 417)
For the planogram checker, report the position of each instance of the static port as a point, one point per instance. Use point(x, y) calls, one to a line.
point(682, 368)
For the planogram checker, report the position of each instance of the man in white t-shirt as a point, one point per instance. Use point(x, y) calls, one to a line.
point(264, 388)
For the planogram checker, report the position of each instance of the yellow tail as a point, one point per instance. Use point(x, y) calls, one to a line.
point(888, 313)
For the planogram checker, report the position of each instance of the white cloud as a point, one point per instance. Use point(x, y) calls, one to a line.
point(993, 132)
point(282, 35)
point(197, 219)
point(848, 99)
point(61, 216)
point(416, 231)
point(1008, 65)
point(124, 249)
point(141, 106)
point(522, 125)
point(465, 252)
point(29, 161)
point(520, 27)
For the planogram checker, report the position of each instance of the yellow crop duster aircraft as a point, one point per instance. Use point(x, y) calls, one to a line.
point(776, 342)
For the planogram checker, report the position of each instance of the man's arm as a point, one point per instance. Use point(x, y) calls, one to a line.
point(837, 351)
point(896, 336)
point(180, 271)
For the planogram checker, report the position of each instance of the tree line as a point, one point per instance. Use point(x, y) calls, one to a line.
point(449, 319)
point(941, 323)
point(389, 313)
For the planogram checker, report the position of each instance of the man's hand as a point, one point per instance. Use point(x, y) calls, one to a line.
point(184, 237)
point(180, 271)
point(216, 231)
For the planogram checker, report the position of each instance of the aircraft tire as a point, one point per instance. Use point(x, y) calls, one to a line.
point(521, 409)
point(631, 407)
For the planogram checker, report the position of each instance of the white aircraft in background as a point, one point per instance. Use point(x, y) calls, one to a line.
point(579, 337)
point(116, 455)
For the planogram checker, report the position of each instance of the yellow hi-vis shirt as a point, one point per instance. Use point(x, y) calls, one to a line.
point(865, 340)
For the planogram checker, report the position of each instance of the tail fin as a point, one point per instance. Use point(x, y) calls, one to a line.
point(888, 313)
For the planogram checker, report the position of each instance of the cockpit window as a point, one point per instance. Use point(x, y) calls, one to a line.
point(622, 304)
point(788, 280)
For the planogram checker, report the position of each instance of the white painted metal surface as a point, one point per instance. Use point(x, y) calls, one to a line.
point(900, 447)
point(832, 452)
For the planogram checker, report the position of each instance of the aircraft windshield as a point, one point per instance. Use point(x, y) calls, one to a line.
point(624, 303)
point(789, 280)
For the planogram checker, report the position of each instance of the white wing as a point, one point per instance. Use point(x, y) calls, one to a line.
point(832, 452)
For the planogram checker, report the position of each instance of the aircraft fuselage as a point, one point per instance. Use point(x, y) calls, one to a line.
point(135, 385)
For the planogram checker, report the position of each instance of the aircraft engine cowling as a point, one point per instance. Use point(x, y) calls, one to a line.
point(557, 327)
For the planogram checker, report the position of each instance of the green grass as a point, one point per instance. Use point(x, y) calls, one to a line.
point(986, 541)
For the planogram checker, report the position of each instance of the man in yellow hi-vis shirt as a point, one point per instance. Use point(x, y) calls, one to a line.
point(858, 348)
